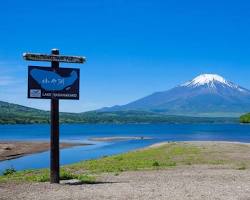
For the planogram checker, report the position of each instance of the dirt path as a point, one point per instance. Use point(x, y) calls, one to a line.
point(184, 183)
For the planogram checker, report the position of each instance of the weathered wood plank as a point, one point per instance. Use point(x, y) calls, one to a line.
point(55, 58)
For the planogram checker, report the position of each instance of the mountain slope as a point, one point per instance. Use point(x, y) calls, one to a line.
point(205, 95)
point(12, 113)
point(17, 114)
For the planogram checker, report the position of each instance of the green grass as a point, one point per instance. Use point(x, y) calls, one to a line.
point(43, 175)
point(242, 166)
point(163, 157)
point(154, 158)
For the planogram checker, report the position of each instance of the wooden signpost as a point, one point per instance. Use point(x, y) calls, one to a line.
point(53, 83)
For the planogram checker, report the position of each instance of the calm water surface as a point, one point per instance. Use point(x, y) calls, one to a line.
point(81, 133)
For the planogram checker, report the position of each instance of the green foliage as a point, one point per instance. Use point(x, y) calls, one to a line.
point(242, 166)
point(9, 171)
point(245, 118)
point(155, 164)
point(86, 179)
point(142, 159)
point(16, 114)
point(162, 157)
point(43, 175)
point(153, 158)
point(27, 175)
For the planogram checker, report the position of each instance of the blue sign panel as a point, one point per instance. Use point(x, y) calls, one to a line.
point(46, 83)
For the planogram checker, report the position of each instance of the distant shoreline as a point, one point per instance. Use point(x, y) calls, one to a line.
point(231, 120)
point(15, 149)
point(113, 139)
point(198, 142)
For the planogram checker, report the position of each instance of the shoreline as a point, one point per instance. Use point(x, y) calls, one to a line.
point(173, 170)
point(118, 138)
point(15, 149)
point(198, 142)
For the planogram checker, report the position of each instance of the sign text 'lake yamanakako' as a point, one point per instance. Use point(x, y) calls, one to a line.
point(46, 83)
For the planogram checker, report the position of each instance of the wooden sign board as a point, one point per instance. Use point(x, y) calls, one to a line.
point(48, 83)
point(51, 58)
point(53, 83)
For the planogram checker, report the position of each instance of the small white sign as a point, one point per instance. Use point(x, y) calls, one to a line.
point(35, 93)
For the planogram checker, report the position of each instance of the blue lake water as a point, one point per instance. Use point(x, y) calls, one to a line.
point(81, 133)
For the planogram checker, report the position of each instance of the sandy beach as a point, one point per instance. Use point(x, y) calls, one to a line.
point(10, 150)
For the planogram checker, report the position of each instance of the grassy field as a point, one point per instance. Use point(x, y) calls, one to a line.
point(166, 156)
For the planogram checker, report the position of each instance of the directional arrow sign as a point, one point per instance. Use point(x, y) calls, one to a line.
point(50, 58)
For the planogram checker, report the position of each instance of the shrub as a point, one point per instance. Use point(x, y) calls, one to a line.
point(9, 171)
point(242, 166)
point(155, 164)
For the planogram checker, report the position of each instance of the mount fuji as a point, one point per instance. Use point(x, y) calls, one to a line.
point(207, 95)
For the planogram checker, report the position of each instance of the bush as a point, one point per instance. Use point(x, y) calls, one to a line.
point(9, 171)
point(155, 164)
point(66, 175)
point(242, 166)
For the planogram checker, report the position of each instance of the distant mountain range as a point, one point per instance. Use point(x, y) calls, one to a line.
point(17, 114)
point(207, 95)
point(208, 98)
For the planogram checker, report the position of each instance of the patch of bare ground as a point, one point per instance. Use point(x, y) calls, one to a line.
point(10, 150)
point(181, 183)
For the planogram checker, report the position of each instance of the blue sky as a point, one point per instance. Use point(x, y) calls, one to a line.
point(133, 48)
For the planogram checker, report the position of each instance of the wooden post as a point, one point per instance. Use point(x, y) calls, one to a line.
point(54, 132)
point(55, 59)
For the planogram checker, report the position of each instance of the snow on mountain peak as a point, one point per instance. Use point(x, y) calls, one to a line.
point(209, 79)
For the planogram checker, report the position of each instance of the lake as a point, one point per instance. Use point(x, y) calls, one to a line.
point(82, 133)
